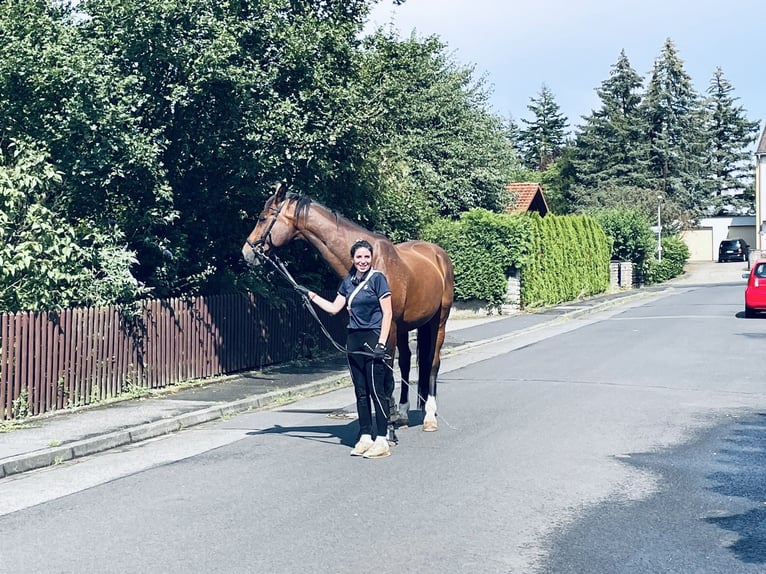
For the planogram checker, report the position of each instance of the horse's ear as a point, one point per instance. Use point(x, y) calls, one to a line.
point(280, 189)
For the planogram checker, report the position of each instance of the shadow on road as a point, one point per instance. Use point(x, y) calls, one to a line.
point(330, 434)
point(744, 475)
point(708, 513)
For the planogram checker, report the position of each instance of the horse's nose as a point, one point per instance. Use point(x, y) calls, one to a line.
point(249, 254)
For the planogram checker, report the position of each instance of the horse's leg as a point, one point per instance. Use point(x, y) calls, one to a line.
point(426, 346)
point(429, 421)
point(405, 361)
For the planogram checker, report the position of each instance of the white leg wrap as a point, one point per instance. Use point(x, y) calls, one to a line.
point(429, 421)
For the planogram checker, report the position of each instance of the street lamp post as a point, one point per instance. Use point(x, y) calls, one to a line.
point(659, 228)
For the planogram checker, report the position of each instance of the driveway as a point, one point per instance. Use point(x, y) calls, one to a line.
point(711, 272)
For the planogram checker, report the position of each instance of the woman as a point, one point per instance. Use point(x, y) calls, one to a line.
point(366, 295)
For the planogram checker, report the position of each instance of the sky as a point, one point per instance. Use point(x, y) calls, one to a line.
point(571, 45)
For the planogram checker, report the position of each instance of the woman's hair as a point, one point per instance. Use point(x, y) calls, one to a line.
point(360, 243)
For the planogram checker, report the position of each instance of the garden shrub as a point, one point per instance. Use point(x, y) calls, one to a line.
point(630, 231)
point(675, 254)
point(560, 257)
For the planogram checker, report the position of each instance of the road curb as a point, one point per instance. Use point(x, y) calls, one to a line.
point(573, 314)
point(93, 445)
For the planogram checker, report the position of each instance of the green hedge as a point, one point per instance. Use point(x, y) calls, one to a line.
point(675, 254)
point(569, 260)
point(484, 248)
point(631, 233)
point(561, 258)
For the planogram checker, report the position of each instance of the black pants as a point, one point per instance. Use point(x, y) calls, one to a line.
point(369, 380)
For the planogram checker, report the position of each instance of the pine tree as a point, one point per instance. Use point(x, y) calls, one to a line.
point(731, 135)
point(675, 117)
point(513, 133)
point(611, 146)
point(543, 140)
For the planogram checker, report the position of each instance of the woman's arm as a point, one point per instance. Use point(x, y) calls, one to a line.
point(385, 327)
point(332, 307)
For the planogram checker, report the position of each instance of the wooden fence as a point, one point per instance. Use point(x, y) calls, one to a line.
point(76, 357)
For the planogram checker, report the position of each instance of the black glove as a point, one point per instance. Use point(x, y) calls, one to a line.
point(302, 290)
point(380, 352)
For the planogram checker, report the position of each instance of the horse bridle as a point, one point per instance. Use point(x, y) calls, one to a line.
point(281, 268)
point(257, 246)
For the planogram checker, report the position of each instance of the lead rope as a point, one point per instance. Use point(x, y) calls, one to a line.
point(280, 267)
point(277, 263)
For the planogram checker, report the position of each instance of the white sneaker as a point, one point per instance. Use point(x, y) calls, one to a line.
point(361, 447)
point(378, 449)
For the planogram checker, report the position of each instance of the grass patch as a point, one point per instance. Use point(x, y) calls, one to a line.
point(13, 425)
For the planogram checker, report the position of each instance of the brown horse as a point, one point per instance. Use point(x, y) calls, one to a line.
point(419, 273)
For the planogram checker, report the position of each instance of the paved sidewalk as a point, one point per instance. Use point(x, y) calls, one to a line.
point(56, 438)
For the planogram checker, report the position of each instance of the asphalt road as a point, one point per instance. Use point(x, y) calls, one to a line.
point(624, 441)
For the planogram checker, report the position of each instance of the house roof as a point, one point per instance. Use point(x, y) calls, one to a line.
point(529, 197)
point(761, 149)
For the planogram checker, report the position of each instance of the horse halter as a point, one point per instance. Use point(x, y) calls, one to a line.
point(257, 246)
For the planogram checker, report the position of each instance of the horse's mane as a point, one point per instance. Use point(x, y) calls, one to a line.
point(304, 202)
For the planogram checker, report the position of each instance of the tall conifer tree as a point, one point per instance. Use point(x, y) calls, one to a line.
point(544, 138)
point(729, 156)
point(677, 143)
point(611, 146)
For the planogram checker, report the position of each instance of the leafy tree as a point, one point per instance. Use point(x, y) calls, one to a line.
point(674, 217)
point(239, 95)
point(543, 138)
point(47, 263)
point(677, 141)
point(440, 149)
point(168, 120)
point(65, 96)
point(729, 154)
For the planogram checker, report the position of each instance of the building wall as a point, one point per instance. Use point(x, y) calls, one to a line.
point(713, 230)
point(700, 243)
point(760, 201)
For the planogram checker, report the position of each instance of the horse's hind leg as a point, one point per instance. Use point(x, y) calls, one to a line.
point(405, 361)
point(427, 337)
point(429, 420)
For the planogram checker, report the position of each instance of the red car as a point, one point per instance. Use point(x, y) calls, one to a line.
point(755, 292)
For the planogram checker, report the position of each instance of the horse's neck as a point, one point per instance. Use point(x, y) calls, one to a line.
point(332, 236)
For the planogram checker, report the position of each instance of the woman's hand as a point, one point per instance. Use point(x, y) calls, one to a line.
point(379, 353)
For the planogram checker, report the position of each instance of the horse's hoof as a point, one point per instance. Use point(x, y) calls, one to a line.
point(430, 426)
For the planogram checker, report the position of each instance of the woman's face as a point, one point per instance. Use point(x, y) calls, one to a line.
point(362, 259)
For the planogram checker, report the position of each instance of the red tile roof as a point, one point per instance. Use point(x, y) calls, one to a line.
point(529, 197)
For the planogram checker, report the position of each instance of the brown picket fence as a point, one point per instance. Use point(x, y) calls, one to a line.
point(76, 357)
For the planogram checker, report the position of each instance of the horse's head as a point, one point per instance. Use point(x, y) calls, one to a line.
point(275, 226)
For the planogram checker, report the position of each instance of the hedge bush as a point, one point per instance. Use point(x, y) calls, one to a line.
point(569, 260)
point(484, 248)
point(560, 257)
point(631, 234)
point(675, 254)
